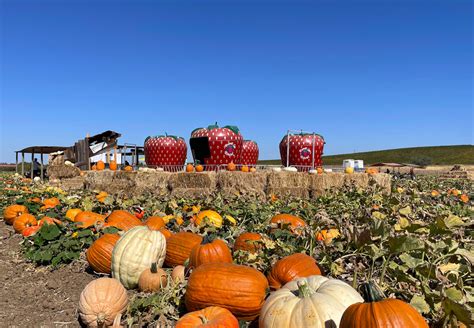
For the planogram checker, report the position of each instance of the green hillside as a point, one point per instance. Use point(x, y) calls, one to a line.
point(439, 155)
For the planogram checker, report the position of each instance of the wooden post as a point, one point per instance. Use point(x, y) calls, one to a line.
point(16, 162)
point(23, 164)
point(31, 167)
point(107, 156)
point(42, 174)
point(136, 155)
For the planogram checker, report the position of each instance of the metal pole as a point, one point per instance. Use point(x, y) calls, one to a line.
point(16, 162)
point(314, 144)
point(42, 174)
point(288, 148)
point(31, 167)
point(22, 164)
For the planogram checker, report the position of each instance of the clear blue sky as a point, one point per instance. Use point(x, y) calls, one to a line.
point(366, 75)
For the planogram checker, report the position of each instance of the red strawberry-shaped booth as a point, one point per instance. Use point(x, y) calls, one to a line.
point(167, 152)
point(214, 145)
point(303, 146)
point(249, 154)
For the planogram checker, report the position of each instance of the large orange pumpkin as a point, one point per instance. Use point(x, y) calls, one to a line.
point(209, 252)
point(10, 213)
point(24, 221)
point(294, 266)
point(238, 288)
point(87, 219)
point(210, 317)
point(99, 254)
point(247, 242)
point(179, 246)
point(155, 222)
point(378, 311)
point(294, 223)
point(100, 165)
point(122, 220)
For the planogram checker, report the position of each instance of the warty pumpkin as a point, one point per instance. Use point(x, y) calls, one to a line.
point(248, 241)
point(99, 254)
point(10, 213)
point(101, 301)
point(179, 247)
point(378, 311)
point(292, 222)
point(87, 219)
point(24, 221)
point(291, 267)
point(210, 317)
point(152, 279)
point(312, 302)
point(209, 216)
point(209, 252)
point(122, 220)
point(238, 288)
point(134, 252)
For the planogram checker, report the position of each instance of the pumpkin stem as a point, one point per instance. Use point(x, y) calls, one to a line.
point(203, 319)
point(303, 289)
point(206, 240)
point(101, 320)
point(154, 268)
point(371, 292)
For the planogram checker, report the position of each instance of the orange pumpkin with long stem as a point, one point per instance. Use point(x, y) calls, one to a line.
point(378, 311)
point(210, 317)
point(10, 213)
point(297, 265)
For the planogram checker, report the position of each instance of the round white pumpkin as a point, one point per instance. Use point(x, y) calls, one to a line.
point(134, 252)
point(290, 169)
point(101, 302)
point(310, 302)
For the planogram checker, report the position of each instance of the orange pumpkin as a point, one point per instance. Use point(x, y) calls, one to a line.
point(378, 311)
point(244, 168)
point(30, 231)
point(155, 222)
point(153, 279)
point(209, 252)
point(128, 168)
point(35, 200)
point(101, 196)
point(253, 169)
point(50, 203)
point(100, 165)
point(210, 317)
point(72, 212)
point(24, 221)
point(165, 232)
point(179, 246)
point(319, 170)
point(199, 168)
point(294, 266)
point(231, 166)
point(94, 167)
point(294, 223)
point(99, 254)
point(238, 288)
point(113, 165)
point(87, 219)
point(327, 236)
point(122, 220)
point(10, 213)
point(189, 168)
point(247, 242)
point(48, 220)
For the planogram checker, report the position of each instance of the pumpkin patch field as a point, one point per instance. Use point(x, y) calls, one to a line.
point(349, 258)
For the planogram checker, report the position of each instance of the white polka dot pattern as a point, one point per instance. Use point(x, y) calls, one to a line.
point(249, 153)
point(165, 150)
point(301, 148)
point(225, 145)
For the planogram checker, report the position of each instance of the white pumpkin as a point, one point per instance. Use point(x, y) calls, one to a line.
point(312, 171)
point(134, 252)
point(276, 169)
point(290, 169)
point(311, 302)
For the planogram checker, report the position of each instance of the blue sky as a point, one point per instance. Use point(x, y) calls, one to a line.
point(366, 75)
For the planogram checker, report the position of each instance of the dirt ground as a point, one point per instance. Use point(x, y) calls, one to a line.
point(36, 297)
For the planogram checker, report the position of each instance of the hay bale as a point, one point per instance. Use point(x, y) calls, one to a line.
point(191, 193)
point(62, 171)
point(383, 180)
point(76, 183)
point(359, 180)
point(251, 185)
point(192, 184)
point(117, 183)
point(153, 182)
point(288, 184)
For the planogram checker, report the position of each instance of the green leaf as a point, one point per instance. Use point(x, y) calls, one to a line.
point(451, 221)
point(419, 303)
point(404, 244)
point(454, 294)
point(378, 215)
point(410, 261)
point(50, 231)
point(467, 254)
point(463, 312)
point(405, 211)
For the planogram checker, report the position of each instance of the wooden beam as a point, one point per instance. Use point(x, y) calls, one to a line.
point(42, 174)
point(31, 167)
point(16, 162)
point(23, 164)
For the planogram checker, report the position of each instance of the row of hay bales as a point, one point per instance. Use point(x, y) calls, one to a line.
point(260, 185)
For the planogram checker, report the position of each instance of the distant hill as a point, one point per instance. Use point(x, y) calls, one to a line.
point(439, 155)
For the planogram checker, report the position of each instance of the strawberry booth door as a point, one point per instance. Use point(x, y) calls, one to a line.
point(200, 149)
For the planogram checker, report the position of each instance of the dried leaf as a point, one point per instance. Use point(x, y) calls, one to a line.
point(419, 303)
